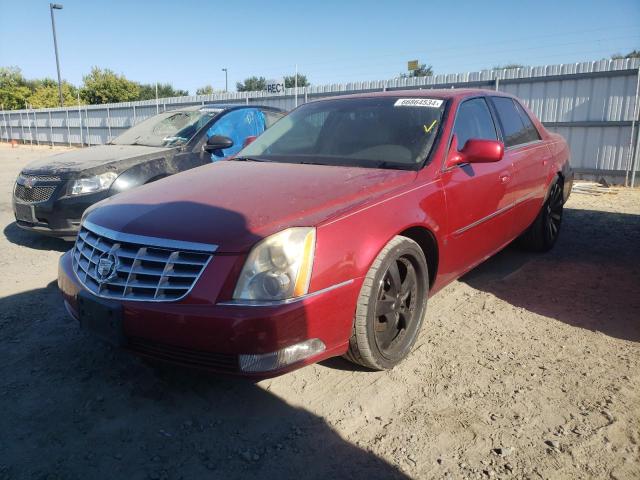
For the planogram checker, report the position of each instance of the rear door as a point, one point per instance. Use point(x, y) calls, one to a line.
point(480, 221)
point(527, 152)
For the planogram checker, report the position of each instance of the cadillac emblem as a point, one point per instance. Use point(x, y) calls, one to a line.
point(107, 267)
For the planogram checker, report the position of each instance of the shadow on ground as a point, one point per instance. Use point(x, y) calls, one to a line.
point(24, 238)
point(591, 279)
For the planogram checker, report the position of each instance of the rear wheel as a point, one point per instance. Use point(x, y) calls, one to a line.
point(542, 235)
point(391, 306)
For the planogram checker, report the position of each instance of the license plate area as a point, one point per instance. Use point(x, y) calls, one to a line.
point(24, 213)
point(101, 317)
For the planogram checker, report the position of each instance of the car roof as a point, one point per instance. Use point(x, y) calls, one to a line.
point(443, 93)
point(224, 106)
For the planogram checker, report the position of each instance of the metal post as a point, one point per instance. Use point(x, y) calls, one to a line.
point(28, 124)
point(35, 124)
point(633, 127)
point(134, 115)
point(109, 123)
point(50, 128)
point(86, 115)
point(497, 83)
point(4, 116)
point(66, 111)
point(11, 125)
point(305, 95)
point(635, 162)
point(295, 85)
point(80, 118)
point(21, 128)
point(52, 7)
point(157, 103)
point(226, 77)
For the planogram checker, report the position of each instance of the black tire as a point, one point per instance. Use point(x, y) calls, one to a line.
point(543, 233)
point(398, 284)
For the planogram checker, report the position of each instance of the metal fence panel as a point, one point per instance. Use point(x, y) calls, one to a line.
point(591, 104)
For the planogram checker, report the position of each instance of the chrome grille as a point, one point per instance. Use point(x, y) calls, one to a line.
point(33, 194)
point(41, 178)
point(141, 267)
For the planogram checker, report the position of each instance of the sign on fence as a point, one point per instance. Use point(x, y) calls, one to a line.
point(275, 86)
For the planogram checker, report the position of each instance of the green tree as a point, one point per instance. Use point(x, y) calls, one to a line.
point(148, 91)
point(252, 84)
point(14, 90)
point(206, 90)
point(105, 86)
point(508, 65)
point(631, 54)
point(290, 82)
point(423, 70)
point(45, 94)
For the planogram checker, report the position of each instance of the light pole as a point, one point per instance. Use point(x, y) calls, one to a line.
point(52, 7)
point(226, 86)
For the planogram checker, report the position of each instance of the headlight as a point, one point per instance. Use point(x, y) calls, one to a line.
point(93, 184)
point(279, 267)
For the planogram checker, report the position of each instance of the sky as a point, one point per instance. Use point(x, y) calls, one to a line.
point(188, 42)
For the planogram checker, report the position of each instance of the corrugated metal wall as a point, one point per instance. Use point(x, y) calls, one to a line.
point(592, 104)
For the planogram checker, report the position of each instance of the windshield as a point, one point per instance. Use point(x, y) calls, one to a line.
point(383, 132)
point(168, 129)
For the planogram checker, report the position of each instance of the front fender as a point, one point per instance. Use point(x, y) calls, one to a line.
point(347, 246)
point(140, 174)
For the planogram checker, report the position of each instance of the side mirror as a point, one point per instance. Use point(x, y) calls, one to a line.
point(217, 142)
point(475, 151)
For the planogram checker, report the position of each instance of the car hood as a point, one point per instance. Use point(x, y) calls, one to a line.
point(100, 158)
point(234, 204)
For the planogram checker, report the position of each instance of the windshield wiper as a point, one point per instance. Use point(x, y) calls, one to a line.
point(393, 165)
point(309, 162)
point(250, 159)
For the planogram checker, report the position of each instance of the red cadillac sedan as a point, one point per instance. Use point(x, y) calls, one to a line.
point(325, 236)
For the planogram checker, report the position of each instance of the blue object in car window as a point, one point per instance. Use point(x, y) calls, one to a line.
point(237, 125)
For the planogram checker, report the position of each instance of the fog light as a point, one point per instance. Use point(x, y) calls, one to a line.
point(273, 361)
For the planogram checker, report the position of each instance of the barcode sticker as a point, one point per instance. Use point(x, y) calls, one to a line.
point(418, 102)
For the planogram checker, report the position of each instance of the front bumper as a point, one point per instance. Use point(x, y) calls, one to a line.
point(59, 216)
point(213, 336)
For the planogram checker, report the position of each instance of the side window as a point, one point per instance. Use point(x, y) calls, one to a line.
point(237, 125)
point(531, 133)
point(474, 121)
point(271, 117)
point(514, 129)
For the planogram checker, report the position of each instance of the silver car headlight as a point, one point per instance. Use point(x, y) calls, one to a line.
point(97, 183)
point(279, 267)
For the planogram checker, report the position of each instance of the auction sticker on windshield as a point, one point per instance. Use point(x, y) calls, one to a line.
point(418, 102)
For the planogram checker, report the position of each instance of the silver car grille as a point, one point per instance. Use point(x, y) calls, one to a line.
point(28, 189)
point(41, 178)
point(34, 194)
point(131, 267)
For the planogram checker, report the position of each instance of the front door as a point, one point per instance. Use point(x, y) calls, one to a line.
point(478, 207)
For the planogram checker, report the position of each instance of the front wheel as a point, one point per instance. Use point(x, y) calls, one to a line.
point(391, 305)
point(543, 233)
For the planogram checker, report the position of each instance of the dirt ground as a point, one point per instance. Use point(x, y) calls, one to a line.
point(528, 367)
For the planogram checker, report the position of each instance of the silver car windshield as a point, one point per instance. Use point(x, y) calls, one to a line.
point(166, 129)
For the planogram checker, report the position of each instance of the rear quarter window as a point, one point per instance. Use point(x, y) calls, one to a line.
point(515, 131)
point(531, 132)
